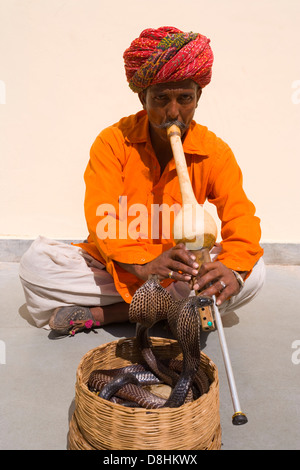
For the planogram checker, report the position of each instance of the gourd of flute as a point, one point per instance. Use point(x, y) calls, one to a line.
point(193, 225)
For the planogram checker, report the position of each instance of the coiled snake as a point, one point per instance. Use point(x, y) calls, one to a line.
point(150, 304)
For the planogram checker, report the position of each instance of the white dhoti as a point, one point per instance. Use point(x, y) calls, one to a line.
point(56, 274)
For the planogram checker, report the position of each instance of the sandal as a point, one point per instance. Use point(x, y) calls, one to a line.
point(71, 320)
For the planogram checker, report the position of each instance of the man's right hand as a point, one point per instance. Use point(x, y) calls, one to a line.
point(177, 261)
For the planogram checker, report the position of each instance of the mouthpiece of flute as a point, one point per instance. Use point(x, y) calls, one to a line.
point(173, 130)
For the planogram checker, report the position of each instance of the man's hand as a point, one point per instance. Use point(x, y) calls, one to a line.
point(216, 279)
point(178, 261)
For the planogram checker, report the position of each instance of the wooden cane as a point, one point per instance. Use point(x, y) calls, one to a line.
point(198, 231)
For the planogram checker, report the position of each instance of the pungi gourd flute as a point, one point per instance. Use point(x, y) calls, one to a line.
point(196, 228)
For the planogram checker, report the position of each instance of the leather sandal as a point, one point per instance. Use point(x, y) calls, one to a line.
point(71, 320)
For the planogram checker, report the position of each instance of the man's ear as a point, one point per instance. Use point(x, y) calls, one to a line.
point(142, 97)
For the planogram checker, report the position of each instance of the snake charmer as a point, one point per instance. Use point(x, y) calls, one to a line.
point(131, 181)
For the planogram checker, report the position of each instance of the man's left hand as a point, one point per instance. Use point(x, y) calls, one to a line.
point(215, 278)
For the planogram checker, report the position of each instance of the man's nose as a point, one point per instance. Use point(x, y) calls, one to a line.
point(172, 111)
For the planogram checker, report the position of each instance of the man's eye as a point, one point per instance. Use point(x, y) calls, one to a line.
point(186, 98)
point(160, 97)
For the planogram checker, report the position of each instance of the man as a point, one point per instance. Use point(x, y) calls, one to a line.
point(131, 167)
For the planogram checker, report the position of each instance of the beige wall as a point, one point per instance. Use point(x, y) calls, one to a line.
point(62, 80)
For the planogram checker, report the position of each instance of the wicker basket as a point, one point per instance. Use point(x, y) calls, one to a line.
point(98, 424)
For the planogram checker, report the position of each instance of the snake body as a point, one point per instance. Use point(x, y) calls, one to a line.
point(125, 387)
point(150, 304)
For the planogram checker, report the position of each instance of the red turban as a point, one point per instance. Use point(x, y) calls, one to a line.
point(167, 54)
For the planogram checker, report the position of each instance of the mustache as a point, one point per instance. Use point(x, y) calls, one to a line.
point(183, 127)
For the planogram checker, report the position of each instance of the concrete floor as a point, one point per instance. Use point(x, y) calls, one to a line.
point(38, 373)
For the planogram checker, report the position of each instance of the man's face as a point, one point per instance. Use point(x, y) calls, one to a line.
point(169, 102)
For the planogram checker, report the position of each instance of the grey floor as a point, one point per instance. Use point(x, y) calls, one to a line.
point(38, 373)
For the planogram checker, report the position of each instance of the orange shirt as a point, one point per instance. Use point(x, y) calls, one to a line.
point(123, 163)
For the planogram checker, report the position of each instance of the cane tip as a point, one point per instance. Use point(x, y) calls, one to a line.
point(239, 418)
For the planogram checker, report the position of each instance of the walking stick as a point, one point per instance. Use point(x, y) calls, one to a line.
point(238, 417)
point(197, 230)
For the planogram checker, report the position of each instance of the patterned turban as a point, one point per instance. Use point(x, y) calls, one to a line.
point(167, 54)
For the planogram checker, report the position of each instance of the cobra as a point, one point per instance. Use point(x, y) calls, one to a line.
point(150, 304)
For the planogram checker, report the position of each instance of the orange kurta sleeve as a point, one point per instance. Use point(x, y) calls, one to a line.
point(240, 228)
point(105, 179)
